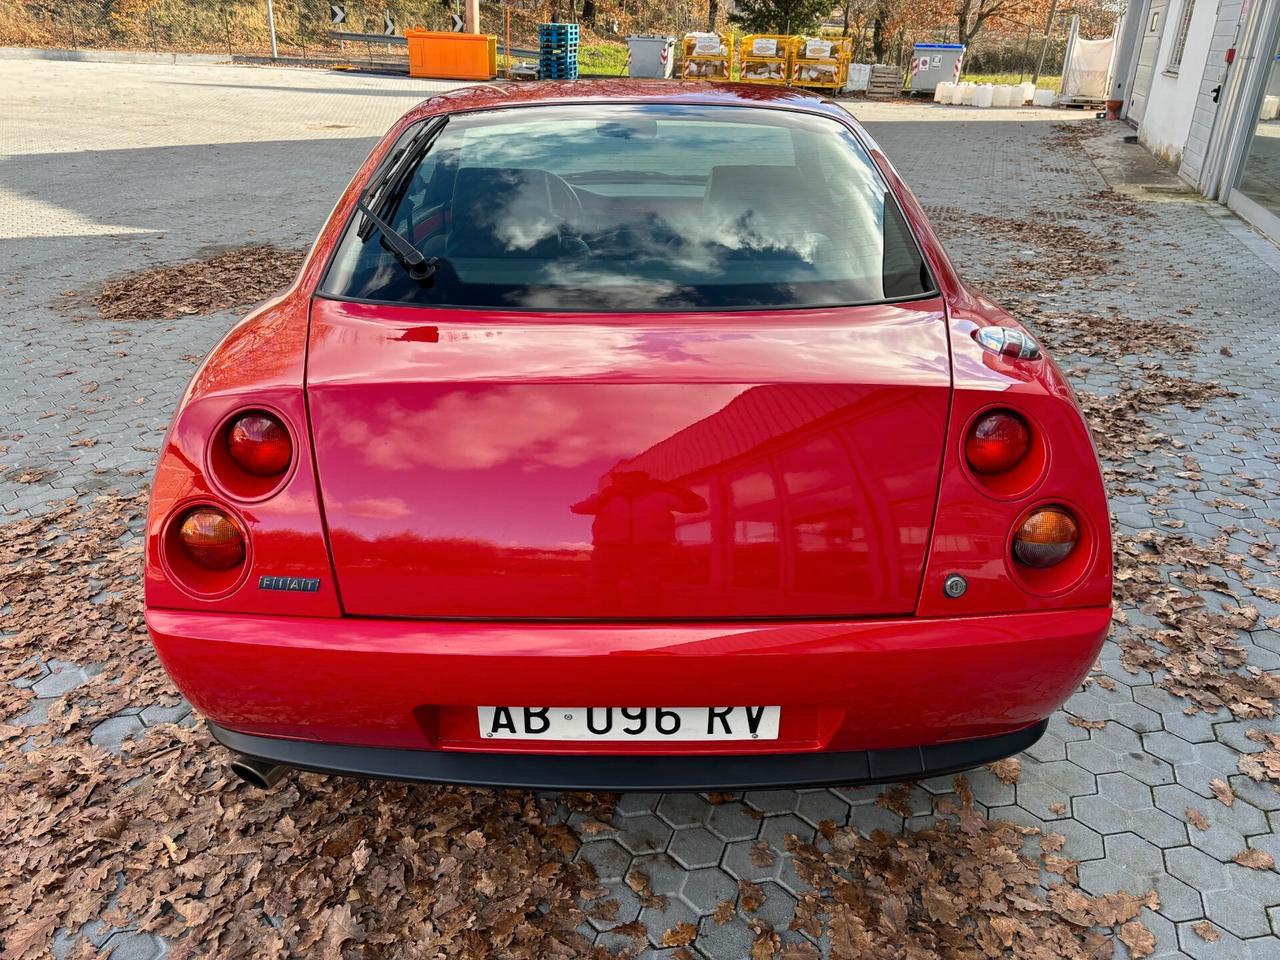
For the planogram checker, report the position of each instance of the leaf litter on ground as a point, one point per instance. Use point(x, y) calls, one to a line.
point(337, 868)
point(234, 278)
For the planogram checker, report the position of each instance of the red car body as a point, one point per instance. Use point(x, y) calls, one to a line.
point(445, 526)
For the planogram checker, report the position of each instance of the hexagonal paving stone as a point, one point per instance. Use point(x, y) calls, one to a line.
point(666, 876)
point(1099, 703)
point(1043, 785)
point(989, 790)
point(635, 804)
point(1263, 796)
point(1228, 826)
point(732, 821)
point(156, 714)
point(773, 801)
point(111, 734)
point(1268, 843)
point(696, 847)
point(727, 941)
point(1227, 947)
point(1235, 898)
point(39, 673)
point(1048, 748)
point(868, 816)
point(684, 809)
point(1194, 764)
point(625, 907)
point(36, 714)
point(1165, 932)
point(1123, 804)
point(131, 945)
point(610, 860)
point(705, 889)
point(64, 678)
point(1236, 735)
point(778, 908)
point(1194, 728)
point(737, 863)
point(643, 833)
point(1083, 843)
point(1116, 749)
point(1134, 865)
point(815, 806)
point(658, 920)
point(619, 943)
point(658, 953)
point(578, 818)
point(776, 830)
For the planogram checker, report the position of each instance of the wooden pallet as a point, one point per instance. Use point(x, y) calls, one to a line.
point(1083, 104)
point(884, 82)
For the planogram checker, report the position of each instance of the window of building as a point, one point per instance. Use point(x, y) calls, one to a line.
point(1180, 38)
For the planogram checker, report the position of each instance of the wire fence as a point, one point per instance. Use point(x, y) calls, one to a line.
point(305, 29)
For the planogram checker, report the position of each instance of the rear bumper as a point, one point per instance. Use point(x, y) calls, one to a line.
point(643, 773)
point(844, 687)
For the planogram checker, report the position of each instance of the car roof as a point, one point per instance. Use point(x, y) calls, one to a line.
point(701, 93)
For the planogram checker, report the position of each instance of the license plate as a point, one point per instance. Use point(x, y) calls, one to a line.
point(636, 724)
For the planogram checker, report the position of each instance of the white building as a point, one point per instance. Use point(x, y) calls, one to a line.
point(1199, 80)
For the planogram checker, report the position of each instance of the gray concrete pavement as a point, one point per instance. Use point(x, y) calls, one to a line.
point(108, 168)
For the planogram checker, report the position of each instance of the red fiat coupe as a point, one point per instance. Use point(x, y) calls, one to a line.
point(627, 435)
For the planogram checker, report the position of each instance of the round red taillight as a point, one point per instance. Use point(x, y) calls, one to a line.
point(1046, 537)
point(260, 444)
point(211, 539)
point(997, 442)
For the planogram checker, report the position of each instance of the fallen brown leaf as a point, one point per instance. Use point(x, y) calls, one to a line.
point(1255, 859)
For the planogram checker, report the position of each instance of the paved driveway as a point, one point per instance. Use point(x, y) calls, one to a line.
point(109, 168)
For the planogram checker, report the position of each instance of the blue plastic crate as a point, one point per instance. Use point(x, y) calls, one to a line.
point(558, 73)
point(553, 32)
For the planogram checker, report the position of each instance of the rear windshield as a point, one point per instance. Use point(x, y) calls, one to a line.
point(627, 208)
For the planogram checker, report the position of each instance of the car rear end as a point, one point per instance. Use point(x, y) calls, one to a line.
point(759, 514)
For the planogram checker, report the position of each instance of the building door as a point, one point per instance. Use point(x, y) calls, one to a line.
point(1256, 196)
point(1148, 48)
point(1212, 84)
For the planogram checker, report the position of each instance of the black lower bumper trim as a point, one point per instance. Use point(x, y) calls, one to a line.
point(623, 773)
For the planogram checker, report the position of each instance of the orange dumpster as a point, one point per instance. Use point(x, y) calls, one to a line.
point(452, 56)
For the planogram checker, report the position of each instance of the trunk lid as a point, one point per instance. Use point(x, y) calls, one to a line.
point(705, 466)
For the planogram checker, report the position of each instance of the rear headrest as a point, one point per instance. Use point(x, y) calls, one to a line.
point(738, 186)
point(492, 205)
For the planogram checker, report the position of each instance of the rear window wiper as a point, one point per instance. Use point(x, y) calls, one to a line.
point(391, 182)
point(419, 267)
point(386, 191)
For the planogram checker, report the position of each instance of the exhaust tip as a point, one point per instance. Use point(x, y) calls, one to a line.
point(258, 773)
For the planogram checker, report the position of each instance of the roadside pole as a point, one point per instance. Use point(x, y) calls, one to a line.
point(271, 22)
point(1044, 47)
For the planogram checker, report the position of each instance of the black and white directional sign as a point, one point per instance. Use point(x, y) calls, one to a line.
point(457, 24)
point(388, 25)
point(337, 15)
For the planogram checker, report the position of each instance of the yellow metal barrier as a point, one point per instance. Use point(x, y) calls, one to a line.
point(707, 56)
point(765, 58)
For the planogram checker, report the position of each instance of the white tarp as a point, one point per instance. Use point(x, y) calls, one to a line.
point(859, 75)
point(1085, 74)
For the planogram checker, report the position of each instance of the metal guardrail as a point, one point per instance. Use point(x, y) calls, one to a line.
point(338, 35)
point(368, 37)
